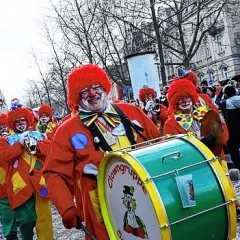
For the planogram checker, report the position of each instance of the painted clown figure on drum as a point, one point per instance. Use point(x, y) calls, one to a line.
point(132, 223)
point(79, 144)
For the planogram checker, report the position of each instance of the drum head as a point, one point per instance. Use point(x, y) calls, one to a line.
point(129, 211)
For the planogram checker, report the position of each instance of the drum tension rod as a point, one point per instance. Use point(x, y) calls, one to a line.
point(179, 169)
point(165, 225)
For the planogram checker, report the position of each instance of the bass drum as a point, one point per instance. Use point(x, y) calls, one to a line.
point(172, 190)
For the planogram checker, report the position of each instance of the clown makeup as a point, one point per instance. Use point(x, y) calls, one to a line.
point(44, 119)
point(93, 98)
point(3, 128)
point(185, 104)
point(20, 125)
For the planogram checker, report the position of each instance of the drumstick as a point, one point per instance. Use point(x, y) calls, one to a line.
point(81, 226)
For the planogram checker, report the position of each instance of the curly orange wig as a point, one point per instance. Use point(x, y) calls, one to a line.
point(83, 77)
point(190, 76)
point(17, 113)
point(180, 88)
point(3, 118)
point(143, 92)
point(45, 108)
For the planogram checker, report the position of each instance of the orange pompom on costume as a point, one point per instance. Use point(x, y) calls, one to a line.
point(79, 145)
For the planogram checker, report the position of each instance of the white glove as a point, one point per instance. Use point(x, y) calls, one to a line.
point(149, 105)
point(23, 138)
point(33, 141)
point(90, 169)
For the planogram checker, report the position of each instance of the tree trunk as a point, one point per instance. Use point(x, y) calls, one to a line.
point(159, 43)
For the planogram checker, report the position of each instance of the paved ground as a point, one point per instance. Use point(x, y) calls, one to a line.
point(60, 233)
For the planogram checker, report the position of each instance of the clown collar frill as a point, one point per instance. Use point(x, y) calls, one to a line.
point(186, 120)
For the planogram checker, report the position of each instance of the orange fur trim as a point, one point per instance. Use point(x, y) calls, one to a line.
point(13, 115)
point(178, 89)
point(45, 108)
point(3, 118)
point(83, 77)
point(143, 92)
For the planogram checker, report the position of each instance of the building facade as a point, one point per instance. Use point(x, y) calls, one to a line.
point(218, 55)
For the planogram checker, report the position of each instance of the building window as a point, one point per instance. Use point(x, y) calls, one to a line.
point(224, 72)
point(198, 56)
point(201, 77)
point(211, 77)
point(219, 44)
point(207, 51)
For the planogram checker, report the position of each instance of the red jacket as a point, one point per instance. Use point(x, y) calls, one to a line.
point(73, 147)
point(22, 179)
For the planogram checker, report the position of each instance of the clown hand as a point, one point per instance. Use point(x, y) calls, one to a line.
point(209, 140)
point(24, 138)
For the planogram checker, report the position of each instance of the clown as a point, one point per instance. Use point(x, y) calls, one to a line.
point(132, 223)
point(3, 128)
point(8, 220)
point(156, 111)
point(79, 144)
point(27, 192)
point(186, 114)
point(46, 123)
point(191, 76)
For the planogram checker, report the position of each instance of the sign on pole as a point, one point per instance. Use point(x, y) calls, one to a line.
point(143, 71)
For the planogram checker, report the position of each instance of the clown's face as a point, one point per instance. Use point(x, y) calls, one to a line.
point(185, 104)
point(3, 128)
point(93, 98)
point(128, 202)
point(20, 125)
point(44, 119)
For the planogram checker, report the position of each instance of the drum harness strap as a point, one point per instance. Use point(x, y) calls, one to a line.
point(128, 125)
point(102, 143)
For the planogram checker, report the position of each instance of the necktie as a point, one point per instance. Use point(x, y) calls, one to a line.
point(88, 118)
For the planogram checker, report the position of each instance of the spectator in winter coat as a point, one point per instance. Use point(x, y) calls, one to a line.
point(230, 107)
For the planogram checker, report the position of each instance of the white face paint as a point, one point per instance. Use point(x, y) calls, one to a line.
point(44, 119)
point(93, 99)
point(3, 128)
point(20, 125)
point(185, 104)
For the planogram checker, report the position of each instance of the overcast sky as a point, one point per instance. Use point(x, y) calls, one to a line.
point(18, 34)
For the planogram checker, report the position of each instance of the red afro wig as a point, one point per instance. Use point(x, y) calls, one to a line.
point(17, 113)
point(178, 89)
point(45, 109)
point(85, 76)
point(143, 92)
point(190, 76)
point(3, 118)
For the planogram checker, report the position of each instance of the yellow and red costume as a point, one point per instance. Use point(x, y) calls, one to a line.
point(24, 173)
point(179, 122)
point(51, 127)
point(74, 148)
point(158, 117)
point(3, 165)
